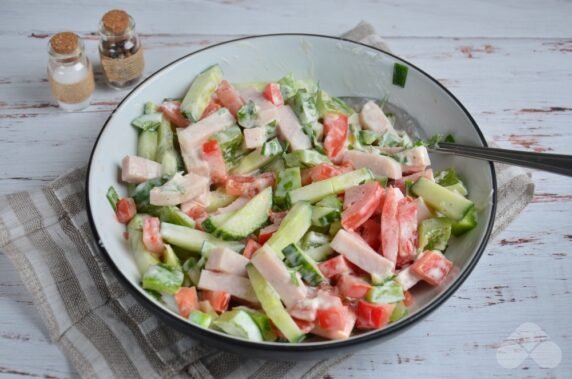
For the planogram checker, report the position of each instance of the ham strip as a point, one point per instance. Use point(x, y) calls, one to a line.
point(235, 285)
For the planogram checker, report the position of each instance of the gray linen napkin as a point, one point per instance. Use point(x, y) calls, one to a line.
point(101, 328)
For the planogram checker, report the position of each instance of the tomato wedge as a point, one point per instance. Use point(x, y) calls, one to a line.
point(251, 247)
point(370, 232)
point(335, 266)
point(211, 108)
point(212, 154)
point(152, 236)
point(432, 267)
point(336, 132)
point(273, 94)
point(126, 210)
point(333, 318)
point(229, 97)
point(363, 204)
point(249, 186)
point(267, 232)
point(373, 316)
point(187, 300)
point(172, 112)
point(352, 286)
point(218, 299)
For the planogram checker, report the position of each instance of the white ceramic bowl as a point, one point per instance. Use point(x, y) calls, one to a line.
point(342, 68)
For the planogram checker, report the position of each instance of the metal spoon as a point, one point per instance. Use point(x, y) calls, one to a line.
point(555, 163)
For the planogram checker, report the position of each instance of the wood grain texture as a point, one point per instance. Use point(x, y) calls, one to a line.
point(509, 62)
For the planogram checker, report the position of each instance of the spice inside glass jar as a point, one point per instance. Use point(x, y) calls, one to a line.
point(120, 49)
point(69, 72)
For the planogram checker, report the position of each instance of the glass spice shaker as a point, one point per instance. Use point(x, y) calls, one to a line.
point(120, 49)
point(69, 72)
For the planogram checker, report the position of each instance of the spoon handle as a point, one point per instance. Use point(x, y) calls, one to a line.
point(556, 163)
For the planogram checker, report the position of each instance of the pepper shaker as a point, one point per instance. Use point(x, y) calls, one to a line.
point(120, 49)
point(69, 72)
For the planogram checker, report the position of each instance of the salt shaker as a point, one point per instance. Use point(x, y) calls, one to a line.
point(120, 49)
point(69, 72)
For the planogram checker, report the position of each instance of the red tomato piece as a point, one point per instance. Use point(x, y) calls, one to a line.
point(277, 217)
point(304, 325)
point(229, 97)
point(407, 219)
point(432, 267)
point(333, 318)
point(352, 286)
point(152, 236)
point(305, 309)
point(172, 112)
point(407, 298)
point(373, 316)
point(126, 210)
point(248, 186)
point(273, 94)
point(336, 132)
point(187, 300)
point(362, 207)
point(335, 266)
point(211, 108)
point(218, 299)
point(389, 224)
point(212, 154)
point(370, 232)
point(251, 247)
point(267, 232)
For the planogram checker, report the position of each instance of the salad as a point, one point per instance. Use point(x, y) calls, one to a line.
point(275, 212)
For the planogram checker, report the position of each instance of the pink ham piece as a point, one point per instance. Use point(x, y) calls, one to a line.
point(390, 225)
point(423, 212)
point(290, 129)
point(179, 189)
point(378, 164)
point(407, 220)
point(229, 97)
point(275, 272)
point(137, 169)
point(254, 137)
point(357, 251)
point(372, 117)
point(222, 259)
point(238, 203)
point(341, 334)
point(235, 285)
point(191, 139)
point(266, 111)
point(414, 160)
point(407, 278)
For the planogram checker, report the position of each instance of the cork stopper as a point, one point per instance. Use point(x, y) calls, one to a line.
point(115, 21)
point(64, 43)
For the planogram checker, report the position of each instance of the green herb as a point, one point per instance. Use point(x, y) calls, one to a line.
point(112, 197)
point(272, 147)
point(247, 115)
point(400, 74)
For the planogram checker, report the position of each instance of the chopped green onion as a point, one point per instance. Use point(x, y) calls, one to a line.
point(272, 147)
point(246, 115)
point(113, 197)
point(400, 74)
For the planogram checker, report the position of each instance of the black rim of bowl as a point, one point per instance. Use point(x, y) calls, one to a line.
point(206, 335)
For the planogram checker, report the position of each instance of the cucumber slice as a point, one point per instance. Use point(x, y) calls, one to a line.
point(318, 190)
point(390, 291)
point(238, 323)
point(166, 154)
point(450, 180)
point(150, 107)
point(304, 105)
point(292, 228)
point(192, 239)
point(170, 258)
point(213, 223)
point(276, 166)
point(272, 305)
point(248, 218)
point(229, 141)
point(323, 216)
point(466, 223)
point(434, 234)
point(201, 319)
point(112, 197)
point(331, 201)
point(147, 144)
point(218, 199)
point(143, 258)
point(320, 253)
point(305, 265)
point(271, 148)
point(399, 312)
point(262, 321)
point(259, 85)
point(149, 121)
point(449, 203)
point(199, 94)
point(252, 162)
point(305, 158)
point(335, 228)
point(163, 279)
point(174, 215)
point(314, 239)
point(288, 180)
point(327, 104)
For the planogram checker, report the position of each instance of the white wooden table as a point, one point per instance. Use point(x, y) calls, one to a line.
point(509, 62)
